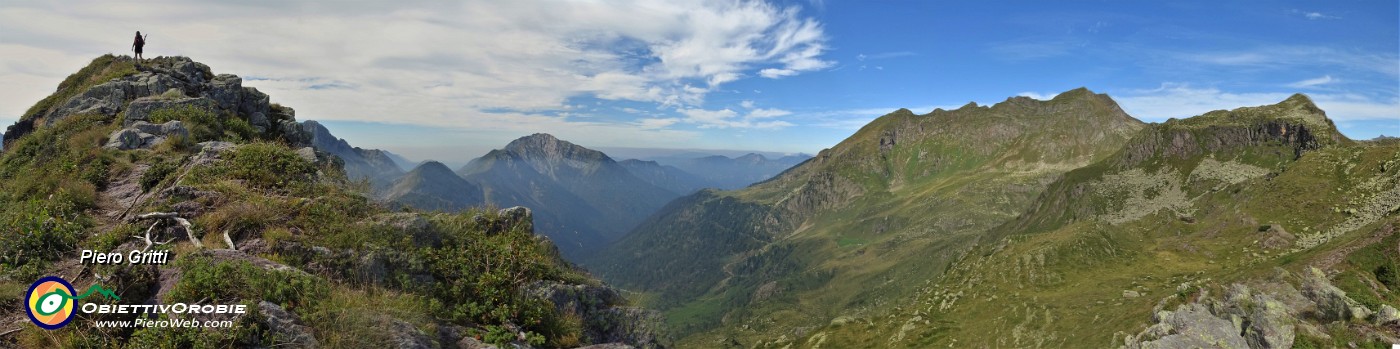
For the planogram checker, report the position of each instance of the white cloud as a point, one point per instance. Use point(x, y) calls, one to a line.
point(1315, 15)
point(747, 104)
point(760, 118)
point(762, 113)
point(656, 123)
point(773, 73)
point(1314, 82)
point(1182, 101)
point(441, 64)
point(1038, 96)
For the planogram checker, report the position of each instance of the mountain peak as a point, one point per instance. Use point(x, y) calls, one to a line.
point(431, 167)
point(549, 146)
point(1080, 92)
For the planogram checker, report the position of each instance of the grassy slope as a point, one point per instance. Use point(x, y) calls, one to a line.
point(833, 237)
point(1060, 282)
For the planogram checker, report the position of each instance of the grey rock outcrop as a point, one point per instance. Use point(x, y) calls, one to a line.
point(604, 318)
point(1332, 303)
point(227, 91)
point(111, 97)
point(1190, 326)
point(287, 326)
point(143, 135)
point(170, 82)
point(404, 336)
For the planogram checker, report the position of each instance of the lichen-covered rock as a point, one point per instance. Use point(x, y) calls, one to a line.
point(411, 224)
point(604, 319)
point(1332, 302)
point(1190, 326)
point(145, 135)
point(1269, 324)
point(473, 343)
point(1387, 315)
point(307, 153)
point(210, 151)
point(124, 139)
point(518, 216)
point(287, 326)
point(404, 336)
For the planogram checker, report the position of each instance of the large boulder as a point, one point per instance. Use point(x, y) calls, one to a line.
point(141, 109)
point(1332, 303)
point(1190, 326)
point(142, 135)
point(227, 91)
point(124, 139)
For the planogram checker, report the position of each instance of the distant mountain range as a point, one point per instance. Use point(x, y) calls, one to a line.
point(376, 166)
point(716, 171)
point(582, 198)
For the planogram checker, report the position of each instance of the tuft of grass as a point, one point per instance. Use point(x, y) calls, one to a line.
point(267, 166)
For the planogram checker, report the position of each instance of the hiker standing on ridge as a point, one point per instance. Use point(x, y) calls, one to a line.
point(138, 44)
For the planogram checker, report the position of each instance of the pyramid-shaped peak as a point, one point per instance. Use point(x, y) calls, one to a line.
point(432, 167)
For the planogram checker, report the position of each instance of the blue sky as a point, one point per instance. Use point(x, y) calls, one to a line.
point(449, 81)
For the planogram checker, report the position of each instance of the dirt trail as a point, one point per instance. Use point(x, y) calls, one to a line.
point(122, 194)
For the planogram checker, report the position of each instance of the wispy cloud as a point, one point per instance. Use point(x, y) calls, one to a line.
point(1314, 15)
point(1314, 82)
point(1034, 48)
point(1287, 57)
point(885, 55)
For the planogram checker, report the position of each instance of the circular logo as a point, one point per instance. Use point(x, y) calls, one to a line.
point(50, 302)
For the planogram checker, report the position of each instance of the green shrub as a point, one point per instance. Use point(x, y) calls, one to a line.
point(158, 172)
point(204, 278)
point(204, 125)
point(266, 165)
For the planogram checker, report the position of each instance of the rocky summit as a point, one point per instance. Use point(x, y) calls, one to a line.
point(257, 210)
